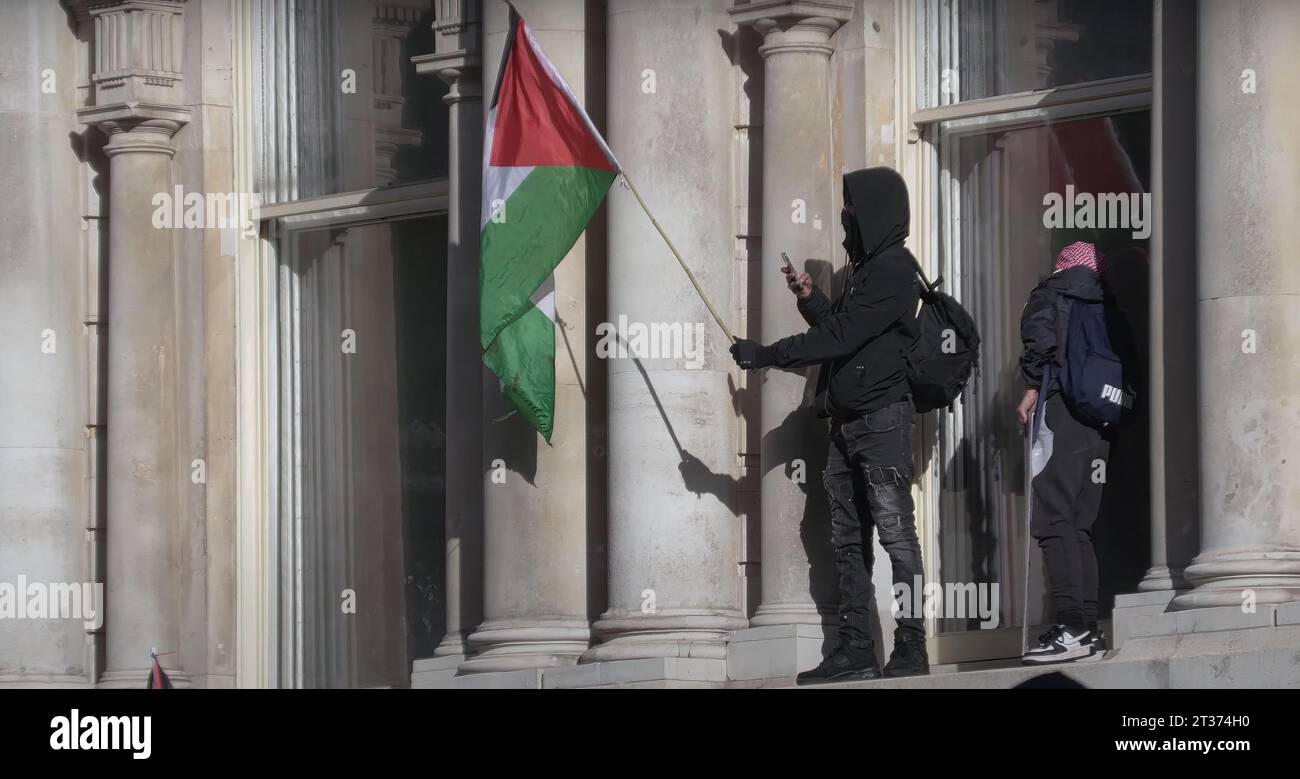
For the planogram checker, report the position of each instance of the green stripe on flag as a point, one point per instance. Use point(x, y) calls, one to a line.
point(523, 357)
point(542, 221)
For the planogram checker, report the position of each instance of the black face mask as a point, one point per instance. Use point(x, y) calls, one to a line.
point(852, 236)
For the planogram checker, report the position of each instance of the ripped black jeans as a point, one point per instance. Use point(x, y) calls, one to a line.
point(868, 480)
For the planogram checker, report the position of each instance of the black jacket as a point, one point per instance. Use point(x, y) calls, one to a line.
point(860, 339)
point(1046, 315)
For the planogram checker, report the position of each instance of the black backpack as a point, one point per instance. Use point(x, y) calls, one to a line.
point(945, 352)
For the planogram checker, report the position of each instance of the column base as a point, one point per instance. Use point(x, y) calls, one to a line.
point(454, 644)
point(137, 678)
point(1163, 577)
point(1241, 580)
point(679, 633)
point(770, 615)
point(26, 681)
point(522, 644)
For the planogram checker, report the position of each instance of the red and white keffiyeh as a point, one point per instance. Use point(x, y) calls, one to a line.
point(1080, 253)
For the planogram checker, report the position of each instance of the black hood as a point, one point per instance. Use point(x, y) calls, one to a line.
point(879, 199)
point(1081, 283)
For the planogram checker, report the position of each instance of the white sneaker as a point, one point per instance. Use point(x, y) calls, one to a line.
point(1059, 645)
point(1096, 641)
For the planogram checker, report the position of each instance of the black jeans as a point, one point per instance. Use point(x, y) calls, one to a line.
point(1067, 500)
point(868, 480)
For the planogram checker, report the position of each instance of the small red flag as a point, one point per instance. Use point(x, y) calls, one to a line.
point(157, 677)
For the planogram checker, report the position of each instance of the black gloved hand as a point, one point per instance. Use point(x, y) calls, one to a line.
point(751, 355)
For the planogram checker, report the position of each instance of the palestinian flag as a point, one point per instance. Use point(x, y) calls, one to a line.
point(545, 172)
point(158, 679)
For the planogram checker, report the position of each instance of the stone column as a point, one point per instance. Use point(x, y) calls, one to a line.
point(674, 533)
point(1249, 332)
point(456, 61)
point(1173, 293)
point(535, 496)
point(799, 218)
point(136, 89)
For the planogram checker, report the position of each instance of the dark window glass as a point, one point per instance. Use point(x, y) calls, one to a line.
point(370, 376)
point(996, 245)
point(1001, 47)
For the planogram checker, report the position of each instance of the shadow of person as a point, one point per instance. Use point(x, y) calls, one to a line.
point(798, 446)
point(1051, 681)
point(701, 480)
point(696, 475)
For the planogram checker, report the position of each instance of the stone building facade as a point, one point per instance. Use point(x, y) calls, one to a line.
point(243, 401)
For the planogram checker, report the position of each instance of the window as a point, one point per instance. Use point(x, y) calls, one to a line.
point(349, 158)
point(368, 367)
point(985, 48)
point(994, 166)
point(341, 107)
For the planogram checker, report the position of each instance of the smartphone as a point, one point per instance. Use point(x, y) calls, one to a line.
point(789, 266)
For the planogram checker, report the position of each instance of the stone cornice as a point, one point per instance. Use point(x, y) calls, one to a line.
point(461, 70)
point(836, 12)
point(133, 111)
point(447, 66)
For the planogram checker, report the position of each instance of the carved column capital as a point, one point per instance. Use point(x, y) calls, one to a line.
point(137, 128)
point(791, 26)
point(460, 70)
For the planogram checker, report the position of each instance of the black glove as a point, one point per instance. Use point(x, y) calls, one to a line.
point(751, 355)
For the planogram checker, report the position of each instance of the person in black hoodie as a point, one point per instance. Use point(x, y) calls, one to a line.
point(1065, 498)
point(859, 341)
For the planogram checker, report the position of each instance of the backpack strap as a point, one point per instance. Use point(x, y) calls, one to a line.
point(921, 272)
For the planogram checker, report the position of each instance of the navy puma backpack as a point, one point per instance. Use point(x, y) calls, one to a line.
point(1095, 383)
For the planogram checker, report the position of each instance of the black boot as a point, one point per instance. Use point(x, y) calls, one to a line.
point(909, 657)
point(851, 661)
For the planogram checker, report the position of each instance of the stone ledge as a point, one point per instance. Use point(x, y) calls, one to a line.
point(775, 651)
point(435, 673)
point(657, 672)
point(1226, 659)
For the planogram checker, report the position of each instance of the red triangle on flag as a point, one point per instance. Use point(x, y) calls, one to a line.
point(537, 124)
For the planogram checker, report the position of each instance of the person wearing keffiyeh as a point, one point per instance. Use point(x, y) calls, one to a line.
point(1065, 499)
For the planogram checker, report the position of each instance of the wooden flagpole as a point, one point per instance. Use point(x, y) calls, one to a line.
point(698, 289)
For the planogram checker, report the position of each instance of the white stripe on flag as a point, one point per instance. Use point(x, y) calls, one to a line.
point(498, 185)
point(544, 297)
